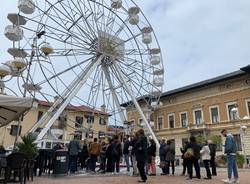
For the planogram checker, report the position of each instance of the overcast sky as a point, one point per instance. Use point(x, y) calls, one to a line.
point(200, 39)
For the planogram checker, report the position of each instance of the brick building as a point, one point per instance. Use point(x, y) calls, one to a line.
point(204, 108)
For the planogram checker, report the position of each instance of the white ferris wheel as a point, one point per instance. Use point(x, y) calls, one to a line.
point(88, 52)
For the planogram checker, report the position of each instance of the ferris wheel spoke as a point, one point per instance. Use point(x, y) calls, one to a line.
point(64, 71)
point(94, 16)
point(71, 52)
point(88, 14)
point(72, 22)
point(75, 20)
point(94, 86)
point(55, 16)
point(78, 44)
point(141, 80)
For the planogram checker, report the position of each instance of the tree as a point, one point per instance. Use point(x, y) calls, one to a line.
point(28, 146)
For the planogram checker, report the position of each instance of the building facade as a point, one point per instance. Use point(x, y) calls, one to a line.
point(81, 120)
point(204, 108)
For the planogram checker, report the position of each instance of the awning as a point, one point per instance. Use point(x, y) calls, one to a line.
point(11, 108)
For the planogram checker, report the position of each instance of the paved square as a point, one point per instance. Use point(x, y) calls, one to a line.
point(122, 179)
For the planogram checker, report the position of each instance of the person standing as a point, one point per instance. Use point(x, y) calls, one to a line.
point(230, 151)
point(170, 157)
point(141, 154)
point(205, 156)
point(133, 156)
point(126, 152)
point(110, 159)
point(84, 154)
point(162, 153)
point(193, 150)
point(151, 158)
point(73, 149)
point(184, 159)
point(117, 153)
point(212, 148)
point(103, 158)
point(94, 151)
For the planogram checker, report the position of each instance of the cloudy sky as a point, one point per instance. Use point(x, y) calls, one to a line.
point(200, 39)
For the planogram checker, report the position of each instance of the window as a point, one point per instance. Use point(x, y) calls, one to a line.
point(248, 107)
point(39, 116)
point(90, 118)
point(160, 122)
point(183, 118)
point(198, 117)
point(171, 120)
point(237, 139)
point(140, 122)
point(79, 122)
point(102, 121)
point(214, 114)
point(101, 135)
point(232, 111)
point(90, 134)
point(14, 130)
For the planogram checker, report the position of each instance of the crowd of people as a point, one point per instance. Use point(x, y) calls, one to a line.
point(140, 153)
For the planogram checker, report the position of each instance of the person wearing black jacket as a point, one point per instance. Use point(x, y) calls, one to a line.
point(151, 157)
point(141, 154)
point(117, 152)
point(194, 159)
point(212, 148)
point(184, 159)
point(84, 154)
point(162, 153)
point(126, 152)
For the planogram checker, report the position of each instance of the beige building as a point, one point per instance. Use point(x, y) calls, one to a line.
point(84, 121)
point(204, 108)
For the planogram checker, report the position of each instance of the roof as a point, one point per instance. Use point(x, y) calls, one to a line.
point(205, 83)
point(75, 108)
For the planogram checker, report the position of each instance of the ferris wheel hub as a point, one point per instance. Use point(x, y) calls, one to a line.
point(111, 46)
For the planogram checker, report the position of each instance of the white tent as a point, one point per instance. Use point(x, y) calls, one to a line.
point(11, 108)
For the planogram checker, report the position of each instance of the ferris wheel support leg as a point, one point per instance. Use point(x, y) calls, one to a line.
point(117, 103)
point(130, 93)
point(85, 75)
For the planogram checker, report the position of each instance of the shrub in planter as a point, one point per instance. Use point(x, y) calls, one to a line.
point(240, 160)
point(27, 146)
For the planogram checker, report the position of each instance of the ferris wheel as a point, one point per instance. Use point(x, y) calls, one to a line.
point(89, 52)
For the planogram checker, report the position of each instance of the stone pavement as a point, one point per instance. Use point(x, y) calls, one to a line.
point(125, 179)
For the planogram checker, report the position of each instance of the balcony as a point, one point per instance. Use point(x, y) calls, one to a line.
point(199, 127)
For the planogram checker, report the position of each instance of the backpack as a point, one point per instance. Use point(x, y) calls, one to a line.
point(189, 153)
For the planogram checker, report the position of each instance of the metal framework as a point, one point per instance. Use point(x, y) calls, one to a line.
point(85, 52)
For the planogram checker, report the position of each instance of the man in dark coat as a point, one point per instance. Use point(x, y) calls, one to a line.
point(212, 148)
point(74, 147)
point(194, 159)
point(141, 154)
